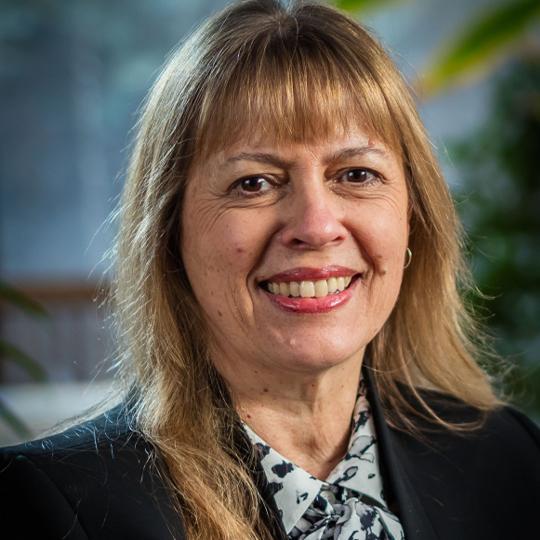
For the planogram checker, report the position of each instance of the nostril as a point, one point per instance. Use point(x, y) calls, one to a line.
point(297, 242)
point(310, 233)
point(312, 242)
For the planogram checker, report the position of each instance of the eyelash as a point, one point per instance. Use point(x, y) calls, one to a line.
point(236, 186)
point(376, 177)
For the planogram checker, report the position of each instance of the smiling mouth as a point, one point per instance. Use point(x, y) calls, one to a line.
point(310, 289)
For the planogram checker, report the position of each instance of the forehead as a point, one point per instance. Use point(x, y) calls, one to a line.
point(338, 146)
point(282, 116)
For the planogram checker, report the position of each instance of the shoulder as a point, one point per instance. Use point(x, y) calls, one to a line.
point(482, 481)
point(518, 419)
point(98, 479)
point(493, 467)
point(506, 441)
point(504, 438)
point(506, 420)
point(90, 449)
point(504, 429)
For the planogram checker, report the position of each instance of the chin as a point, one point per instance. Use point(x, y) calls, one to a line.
point(313, 358)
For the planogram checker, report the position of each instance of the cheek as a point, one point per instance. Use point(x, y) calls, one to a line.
point(237, 242)
point(383, 234)
point(221, 260)
point(385, 242)
point(220, 254)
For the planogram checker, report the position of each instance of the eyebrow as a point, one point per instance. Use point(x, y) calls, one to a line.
point(271, 159)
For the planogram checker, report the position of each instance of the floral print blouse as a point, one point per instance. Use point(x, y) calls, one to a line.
point(349, 504)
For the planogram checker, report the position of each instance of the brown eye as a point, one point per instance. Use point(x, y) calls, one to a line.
point(359, 176)
point(253, 184)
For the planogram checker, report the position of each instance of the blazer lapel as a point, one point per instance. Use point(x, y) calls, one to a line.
point(268, 509)
point(394, 457)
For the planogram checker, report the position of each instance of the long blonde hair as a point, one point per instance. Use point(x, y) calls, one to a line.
point(290, 73)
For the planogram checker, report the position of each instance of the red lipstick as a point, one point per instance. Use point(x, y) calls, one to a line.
point(311, 305)
point(305, 273)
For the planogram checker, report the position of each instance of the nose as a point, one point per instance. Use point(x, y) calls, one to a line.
point(313, 218)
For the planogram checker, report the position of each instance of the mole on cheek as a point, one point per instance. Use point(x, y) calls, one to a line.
point(240, 250)
point(219, 313)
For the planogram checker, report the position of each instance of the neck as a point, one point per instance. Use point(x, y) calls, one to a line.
point(306, 417)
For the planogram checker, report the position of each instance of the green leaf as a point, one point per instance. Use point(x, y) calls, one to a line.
point(23, 360)
point(357, 6)
point(13, 421)
point(17, 298)
point(480, 45)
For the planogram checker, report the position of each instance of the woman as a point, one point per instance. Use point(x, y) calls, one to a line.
point(298, 359)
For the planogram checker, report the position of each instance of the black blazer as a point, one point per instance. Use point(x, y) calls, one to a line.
point(96, 481)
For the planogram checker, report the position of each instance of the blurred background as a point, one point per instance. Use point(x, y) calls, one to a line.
point(72, 76)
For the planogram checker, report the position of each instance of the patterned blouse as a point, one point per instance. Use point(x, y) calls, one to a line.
point(349, 505)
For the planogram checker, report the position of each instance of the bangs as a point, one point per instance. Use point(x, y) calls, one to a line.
point(291, 88)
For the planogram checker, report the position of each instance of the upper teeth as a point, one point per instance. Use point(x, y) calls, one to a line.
point(310, 289)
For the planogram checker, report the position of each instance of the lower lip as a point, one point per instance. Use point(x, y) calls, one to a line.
point(312, 305)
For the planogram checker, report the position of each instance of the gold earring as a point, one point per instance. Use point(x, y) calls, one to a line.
point(408, 253)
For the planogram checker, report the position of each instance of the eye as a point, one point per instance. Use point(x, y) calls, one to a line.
point(360, 176)
point(252, 184)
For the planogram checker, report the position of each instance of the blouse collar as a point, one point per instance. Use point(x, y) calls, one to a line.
point(294, 489)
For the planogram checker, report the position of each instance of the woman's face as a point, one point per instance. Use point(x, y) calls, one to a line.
point(272, 234)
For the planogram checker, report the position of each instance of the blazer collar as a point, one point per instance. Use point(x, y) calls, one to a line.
point(268, 509)
point(394, 456)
